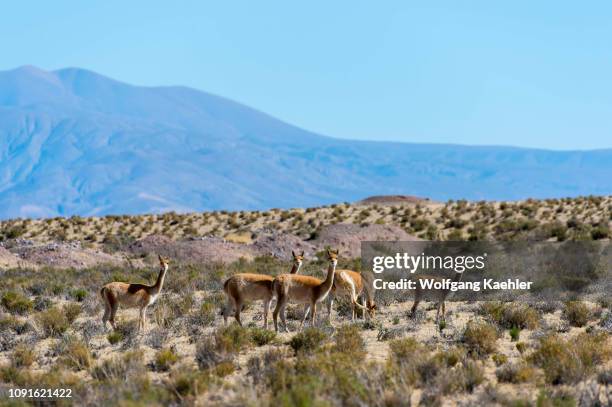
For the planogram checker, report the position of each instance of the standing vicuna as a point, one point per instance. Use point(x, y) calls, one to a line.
point(132, 295)
point(303, 289)
point(352, 284)
point(243, 287)
point(436, 295)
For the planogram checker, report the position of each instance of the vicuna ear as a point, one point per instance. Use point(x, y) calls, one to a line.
point(293, 254)
point(302, 253)
point(160, 257)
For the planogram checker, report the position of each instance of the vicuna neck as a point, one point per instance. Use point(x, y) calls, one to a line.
point(329, 280)
point(160, 279)
point(296, 268)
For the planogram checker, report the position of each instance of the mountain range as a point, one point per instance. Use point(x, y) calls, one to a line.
point(73, 142)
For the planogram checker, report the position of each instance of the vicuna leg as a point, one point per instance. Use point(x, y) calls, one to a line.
point(226, 310)
point(417, 299)
point(330, 302)
point(313, 317)
point(283, 315)
point(443, 311)
point(307, 309)
point(280, 306)
point(107, 312)
point(266, 311)
point(143, 316)
point(114, 306)
point(238, 308)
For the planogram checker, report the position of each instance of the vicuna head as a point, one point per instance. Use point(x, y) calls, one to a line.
point(163, 262)
point(298, 258)
point(332, 256)
point(371, 306)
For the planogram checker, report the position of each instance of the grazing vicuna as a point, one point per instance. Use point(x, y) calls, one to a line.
point(244, 287)
point(302, 289)
point(131, 296)
point(436, 295)
point(352, 284)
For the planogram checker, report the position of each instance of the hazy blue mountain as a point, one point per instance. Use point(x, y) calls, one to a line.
point(75, 142)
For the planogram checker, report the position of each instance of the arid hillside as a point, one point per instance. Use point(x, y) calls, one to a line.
point(226, 236)
point(546, 353)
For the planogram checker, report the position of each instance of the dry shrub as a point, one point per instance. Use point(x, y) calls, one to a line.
point(517, 373)
point(571, 360)
point(577, 313)
point(227, 341)
point(510, 315)
point(72, 311)
point(23, 356)
point(348, 340)
point(74, 354)
point(187, 384)
point(53, 322)
point(120, 368)
point(480, 338)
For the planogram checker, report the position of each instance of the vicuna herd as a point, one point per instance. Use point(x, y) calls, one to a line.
point(245, 287)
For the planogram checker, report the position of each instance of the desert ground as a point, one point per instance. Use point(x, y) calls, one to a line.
point(484, 353)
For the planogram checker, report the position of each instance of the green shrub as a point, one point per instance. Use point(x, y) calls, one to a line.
point(232, 339)
point(79, 294)
point(16, 303)
point(52, 321)
point(571, 360)
point(480, 338)
point(308, 340)
point(114, 337)
point(577, 313)
point(262, 336)
point(515, 333)
point(164, 359)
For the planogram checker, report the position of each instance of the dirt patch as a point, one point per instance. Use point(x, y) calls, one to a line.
point(65, 255)
point(347, 237)
point(9, 260)
point(280, 245)
point(198, 250)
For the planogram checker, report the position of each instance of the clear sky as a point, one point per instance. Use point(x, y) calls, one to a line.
point(525, 73)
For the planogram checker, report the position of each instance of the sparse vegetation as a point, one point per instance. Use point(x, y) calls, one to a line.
point(51, 332)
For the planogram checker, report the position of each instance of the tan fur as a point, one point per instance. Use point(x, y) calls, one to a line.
point(302, 289)
point(244, 287)
point(132, 296)
point(438, 296)
point(353, 284)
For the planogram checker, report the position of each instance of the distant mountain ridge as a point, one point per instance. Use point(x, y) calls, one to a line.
point(75, 142)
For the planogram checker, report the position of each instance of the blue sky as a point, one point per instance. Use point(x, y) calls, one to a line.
point(536, 74)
